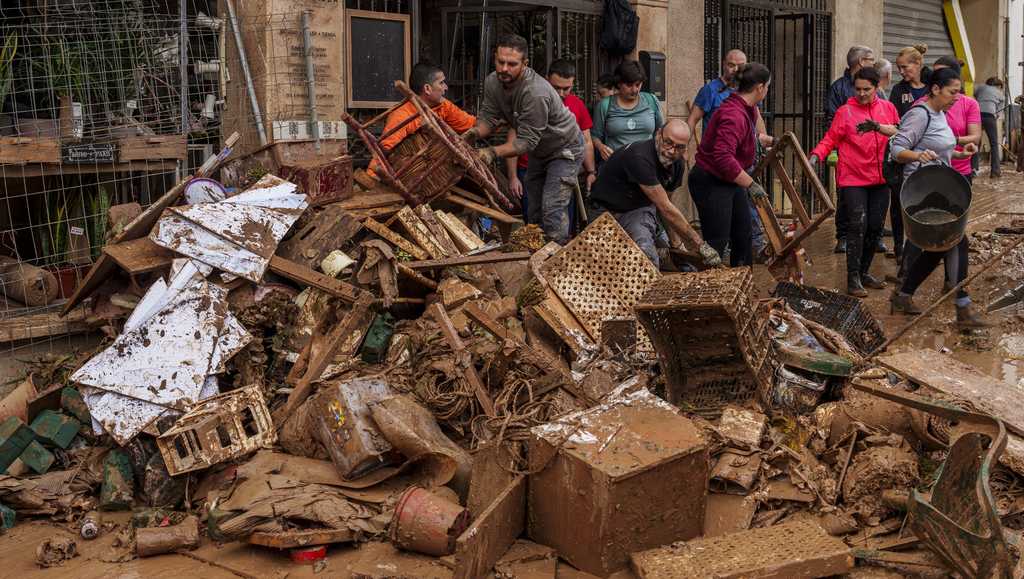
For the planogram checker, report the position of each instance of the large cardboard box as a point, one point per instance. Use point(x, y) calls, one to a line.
point(624, 476)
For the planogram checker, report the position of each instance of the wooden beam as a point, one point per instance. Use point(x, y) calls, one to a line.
point(395, 239)
point(463, 237)
point(470, 260)
point(499, 216)
point(304, 275)
point(45, 325)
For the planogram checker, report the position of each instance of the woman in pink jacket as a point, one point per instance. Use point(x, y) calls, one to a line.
point(860, 131)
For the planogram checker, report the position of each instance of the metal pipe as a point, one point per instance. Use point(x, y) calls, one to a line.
point(257, 115)
point(307, 45)
point(183, 62)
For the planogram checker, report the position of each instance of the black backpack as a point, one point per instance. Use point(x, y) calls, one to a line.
point(619, 31)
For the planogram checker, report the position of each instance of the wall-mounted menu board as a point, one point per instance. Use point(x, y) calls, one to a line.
point(379, 53)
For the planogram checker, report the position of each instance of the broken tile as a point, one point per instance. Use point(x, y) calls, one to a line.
point(55, 428)
point(37, 458)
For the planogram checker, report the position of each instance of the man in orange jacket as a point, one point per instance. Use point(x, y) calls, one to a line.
point(429, 83)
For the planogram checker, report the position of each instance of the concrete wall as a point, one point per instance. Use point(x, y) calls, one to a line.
point(986, 31)
point(675, 28)
point(1015, 73)
point(855, 22)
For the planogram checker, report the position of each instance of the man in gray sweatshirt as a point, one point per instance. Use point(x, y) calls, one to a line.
point(544, 128)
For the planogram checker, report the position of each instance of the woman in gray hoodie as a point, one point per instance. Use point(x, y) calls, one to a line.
point(925, 138)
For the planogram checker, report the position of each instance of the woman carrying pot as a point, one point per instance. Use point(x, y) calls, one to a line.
point(860, 130)
point(925, 138)
point(910, 63)
point(719, 183)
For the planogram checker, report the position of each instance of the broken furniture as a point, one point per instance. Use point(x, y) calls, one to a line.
point(707, 338)
point(787, 255)
point(428, 163)
point(628, 475)
point(842, 313)
point(958, 521)
point(599, 275)
point(798, 549)
point(216, 429)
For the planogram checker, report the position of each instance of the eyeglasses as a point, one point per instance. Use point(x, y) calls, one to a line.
point(669, 144)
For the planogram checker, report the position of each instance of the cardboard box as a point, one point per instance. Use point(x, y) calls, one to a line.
point(622, 477)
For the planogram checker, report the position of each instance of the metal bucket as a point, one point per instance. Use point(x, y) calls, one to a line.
point(935, 200)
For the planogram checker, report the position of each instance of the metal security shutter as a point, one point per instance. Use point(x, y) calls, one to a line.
point(910, 22)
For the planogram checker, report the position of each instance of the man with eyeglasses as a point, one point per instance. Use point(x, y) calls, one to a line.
point(633, 186)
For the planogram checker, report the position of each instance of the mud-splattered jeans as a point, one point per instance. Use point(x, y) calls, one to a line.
point(641, 225)
point(550, 185)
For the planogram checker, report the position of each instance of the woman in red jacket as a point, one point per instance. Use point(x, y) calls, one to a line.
point(860, 131)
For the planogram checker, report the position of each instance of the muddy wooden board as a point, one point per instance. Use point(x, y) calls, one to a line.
point(140, 255)
point(306, 276)
point(955, 378)
point(728, 514)
point(790, 550)
point(494, 214)
point(461, 235)
point(395, 239)
point(418, 230)
point(492, 533)
point(371, 200)
point(470, 260)
point(44, 325)
point(437, 230)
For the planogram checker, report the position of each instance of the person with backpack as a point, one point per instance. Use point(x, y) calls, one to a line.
point(964, 119)
point(631, 115)
point(860, 131)
point(910, 63)
point(545, 128)
point(719, 183)
point(924, 138)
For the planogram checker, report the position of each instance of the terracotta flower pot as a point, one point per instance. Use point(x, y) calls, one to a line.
point(426, 523)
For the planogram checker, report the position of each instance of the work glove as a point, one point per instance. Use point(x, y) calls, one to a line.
point(709, 255)
point(486, 155)
point(756, 191)
point(471, 136)
point(868, 126)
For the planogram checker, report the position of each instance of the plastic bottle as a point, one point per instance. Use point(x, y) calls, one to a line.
point(91, 525)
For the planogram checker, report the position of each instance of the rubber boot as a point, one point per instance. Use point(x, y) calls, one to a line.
point(871, 282)
point(966, 317)
point(904, 305)
point(854, 287)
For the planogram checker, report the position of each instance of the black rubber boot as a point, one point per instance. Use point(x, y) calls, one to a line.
point(871, 282)
point(854, 287)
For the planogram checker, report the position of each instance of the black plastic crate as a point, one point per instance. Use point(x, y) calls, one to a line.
point(842, 313)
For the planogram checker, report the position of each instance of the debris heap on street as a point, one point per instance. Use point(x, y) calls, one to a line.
point(423, 378)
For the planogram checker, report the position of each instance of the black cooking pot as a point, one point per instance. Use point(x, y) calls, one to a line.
point(935, 200)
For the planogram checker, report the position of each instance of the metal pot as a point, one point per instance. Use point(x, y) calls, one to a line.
point(936, 200)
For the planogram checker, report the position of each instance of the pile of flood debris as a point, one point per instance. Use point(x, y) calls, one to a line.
point(463, 399)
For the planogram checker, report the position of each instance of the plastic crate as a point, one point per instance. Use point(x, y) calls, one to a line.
point(842, 313)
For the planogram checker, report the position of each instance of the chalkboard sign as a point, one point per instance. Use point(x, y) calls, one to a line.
point(378, 55)
point(89, 153)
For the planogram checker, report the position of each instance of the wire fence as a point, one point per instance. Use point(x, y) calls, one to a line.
point(103, 103)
